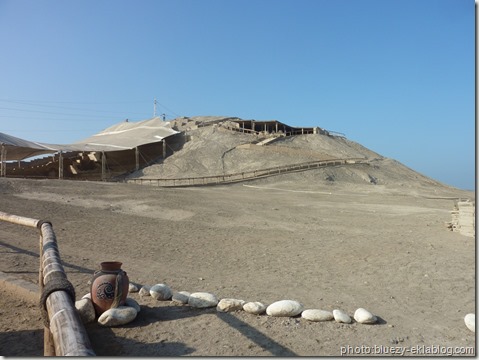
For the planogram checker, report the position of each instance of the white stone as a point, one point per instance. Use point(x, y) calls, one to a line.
point(133, 303)
point(86, 310)
point(227, 305)
point(133, 288)
point(160, 292)
point(254, 307)
point(87, 296)
point(364, 317)
point(470, 321)
point(145, 291)
point(317, 315)
point(181, 297)
point(341, 317)
point(118, 316)
point(284, 308)
point(202, 300)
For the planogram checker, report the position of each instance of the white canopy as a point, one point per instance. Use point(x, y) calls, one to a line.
point(122, 136)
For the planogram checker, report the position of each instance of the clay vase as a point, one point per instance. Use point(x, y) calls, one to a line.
point(109, 287)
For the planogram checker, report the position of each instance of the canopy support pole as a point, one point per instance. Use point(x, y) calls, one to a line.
point(3, 160)
point(60, 165)
point(137, 159)
point(103, 166)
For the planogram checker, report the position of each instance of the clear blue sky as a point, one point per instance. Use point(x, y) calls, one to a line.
point(396, 76)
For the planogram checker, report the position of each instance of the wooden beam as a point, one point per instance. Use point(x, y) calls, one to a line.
point(3, 161)
point(60, 165)
point(65, 326)
point(137, 159)
point(103, 166)
point(20, 220)
point(48, 343)
point(69, 335)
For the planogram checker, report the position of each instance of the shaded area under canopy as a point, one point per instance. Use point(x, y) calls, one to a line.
point(122, 136)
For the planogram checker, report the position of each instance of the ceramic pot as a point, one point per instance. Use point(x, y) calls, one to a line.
point(109, 286)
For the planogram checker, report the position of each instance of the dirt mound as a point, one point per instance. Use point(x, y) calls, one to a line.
point(214, 150)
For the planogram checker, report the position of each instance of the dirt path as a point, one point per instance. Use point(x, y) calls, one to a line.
point(328, 247)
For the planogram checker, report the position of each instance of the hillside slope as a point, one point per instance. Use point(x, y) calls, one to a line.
point(213, 150)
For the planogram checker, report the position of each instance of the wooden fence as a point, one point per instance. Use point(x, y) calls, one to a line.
point(246, 175)
point(64, 333)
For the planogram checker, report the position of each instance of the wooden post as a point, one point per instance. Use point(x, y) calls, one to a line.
point(103, 166)
point(66, 328)
point(3, 161)
point(60, 165)
point(137, 159)
point(70, 337)
point(48, 343)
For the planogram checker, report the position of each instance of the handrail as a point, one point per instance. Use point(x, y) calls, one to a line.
point(63, 325)
point(243, 176)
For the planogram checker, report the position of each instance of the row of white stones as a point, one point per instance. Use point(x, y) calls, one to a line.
point(287, 308)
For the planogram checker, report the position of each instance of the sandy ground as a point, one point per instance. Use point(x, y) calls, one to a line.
point(330, 247)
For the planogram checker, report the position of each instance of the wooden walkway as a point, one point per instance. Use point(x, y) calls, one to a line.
point(246, 175)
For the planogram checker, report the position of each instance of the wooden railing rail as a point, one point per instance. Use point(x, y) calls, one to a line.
point(243, 176)
point(64, 333)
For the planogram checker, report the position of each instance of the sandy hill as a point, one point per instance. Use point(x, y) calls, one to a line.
point(211, 148)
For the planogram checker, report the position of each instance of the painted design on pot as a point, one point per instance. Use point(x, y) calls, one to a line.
point(109, 286)
point(105, 291)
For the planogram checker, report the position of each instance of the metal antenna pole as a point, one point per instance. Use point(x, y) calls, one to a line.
point(154, 108)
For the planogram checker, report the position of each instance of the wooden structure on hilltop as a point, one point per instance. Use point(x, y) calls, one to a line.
point(124, 147)
point(275, 126)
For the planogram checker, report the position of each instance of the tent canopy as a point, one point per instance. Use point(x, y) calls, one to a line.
point(122, 136)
